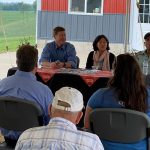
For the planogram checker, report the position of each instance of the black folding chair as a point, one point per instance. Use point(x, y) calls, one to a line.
point(120, 125)
point(18, 114)
point(11, 71)
point(78, 61)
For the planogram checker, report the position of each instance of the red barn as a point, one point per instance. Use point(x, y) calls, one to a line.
point(85, 19)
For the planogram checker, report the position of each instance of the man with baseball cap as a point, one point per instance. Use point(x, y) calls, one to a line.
point(61, 132)
point(145, 55)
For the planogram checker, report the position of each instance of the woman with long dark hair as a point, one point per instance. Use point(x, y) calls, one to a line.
point(100, 57)
point(125, 90)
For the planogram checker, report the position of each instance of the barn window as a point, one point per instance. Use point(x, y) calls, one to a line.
point(144, 11)
point(90, 7)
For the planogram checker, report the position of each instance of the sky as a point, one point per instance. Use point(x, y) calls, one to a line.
point(10, 1)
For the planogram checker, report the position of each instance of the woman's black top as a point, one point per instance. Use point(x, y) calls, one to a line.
point(89, 62)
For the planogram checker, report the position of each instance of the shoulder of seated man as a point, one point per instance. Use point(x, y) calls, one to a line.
point(140, 53)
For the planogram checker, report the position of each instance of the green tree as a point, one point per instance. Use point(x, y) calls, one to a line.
point(35, 5)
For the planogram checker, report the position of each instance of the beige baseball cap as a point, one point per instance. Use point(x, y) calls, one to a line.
point(68, 99)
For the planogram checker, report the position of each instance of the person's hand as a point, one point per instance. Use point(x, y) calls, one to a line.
point(59, 64)
point(67, 65)
point(63, 64)
point(53, 65)
point(49, 65)
point(45, 64)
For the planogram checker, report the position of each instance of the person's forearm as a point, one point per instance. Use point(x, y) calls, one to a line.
point(86, 117)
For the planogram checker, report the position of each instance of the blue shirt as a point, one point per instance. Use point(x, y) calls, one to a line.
point(66, 53)
point(59, 134)
point(24, 85)
point(107, 98)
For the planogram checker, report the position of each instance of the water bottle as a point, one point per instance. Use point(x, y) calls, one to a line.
point(145, 67)
point(101, 64)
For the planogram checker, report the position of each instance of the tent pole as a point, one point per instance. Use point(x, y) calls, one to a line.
point(127, 22)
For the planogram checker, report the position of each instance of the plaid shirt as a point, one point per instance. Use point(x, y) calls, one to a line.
point(60, 134)
point(140, 57)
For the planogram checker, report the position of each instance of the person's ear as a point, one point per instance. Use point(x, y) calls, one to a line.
point(144, 43)
point(49, 110)
point(79, 116)
point(54, 36)
point(36, 67)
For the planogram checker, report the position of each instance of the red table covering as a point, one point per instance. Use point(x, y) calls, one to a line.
point(89, 76)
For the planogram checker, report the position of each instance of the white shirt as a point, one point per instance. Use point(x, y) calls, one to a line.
point(60, 134)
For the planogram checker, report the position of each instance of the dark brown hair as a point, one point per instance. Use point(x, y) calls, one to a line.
point(129, 83)
point(27, 57)
point(57, 29)
point(97, 39)
point(147, 35)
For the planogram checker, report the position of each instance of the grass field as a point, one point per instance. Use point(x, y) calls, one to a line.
point(19, 27)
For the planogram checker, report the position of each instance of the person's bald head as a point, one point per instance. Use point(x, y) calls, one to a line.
point(68, 104)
